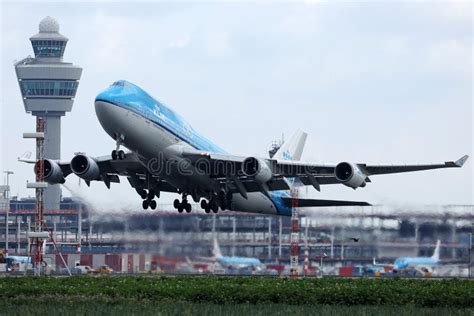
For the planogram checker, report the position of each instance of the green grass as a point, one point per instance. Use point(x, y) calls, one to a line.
point(94, 308)
point(215, 291)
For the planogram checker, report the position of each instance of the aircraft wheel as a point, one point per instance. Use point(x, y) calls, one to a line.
point(207, 210)
point(176, 203)
point(204, 204)
point(121, 155)
point(214, 207)
point(187, 207)
point(145, 204)
point(114, 155)
point(153, 204)
point(180, 209)
point(151, 195)
point(142, 194)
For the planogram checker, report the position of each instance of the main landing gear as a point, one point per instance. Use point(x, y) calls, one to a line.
point(208, 206)
point(182, 205)
point(148, 199)
point(223, 200)
point(117, 153)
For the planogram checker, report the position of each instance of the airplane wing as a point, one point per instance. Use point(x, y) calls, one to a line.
point(107, 171)
point(250, 174)
point(235, 173)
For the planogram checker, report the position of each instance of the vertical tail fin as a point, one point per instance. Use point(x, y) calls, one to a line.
point(292, 149)
point(26, 157)
point(435, 255)
point(216, 251)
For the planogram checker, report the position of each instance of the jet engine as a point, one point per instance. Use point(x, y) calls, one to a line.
point(258, 168)
point(85, 167)
point(52, 172)
point(350, 175)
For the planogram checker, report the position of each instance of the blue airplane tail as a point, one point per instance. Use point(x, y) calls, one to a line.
point(435, 255)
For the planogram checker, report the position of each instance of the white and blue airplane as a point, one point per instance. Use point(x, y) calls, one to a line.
point(233, 261)
point(422, 263)
point(19, 259)
point(167, 155)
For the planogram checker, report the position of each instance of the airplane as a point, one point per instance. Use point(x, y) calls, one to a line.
point(422, 263)
point(19, 259)
point(167, 155)
point(234, 262)
point(26, 157)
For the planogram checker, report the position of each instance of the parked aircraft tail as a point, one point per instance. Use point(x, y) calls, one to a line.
point(435, 255)
point(216, 250)
point(26, 157)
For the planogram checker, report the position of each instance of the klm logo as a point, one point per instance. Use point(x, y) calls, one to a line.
point(156, 111)
point(287, 156)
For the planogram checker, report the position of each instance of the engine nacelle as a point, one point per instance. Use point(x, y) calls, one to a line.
point(85, 167)
point(350, 175)
point(51, 171)
point(258, 168)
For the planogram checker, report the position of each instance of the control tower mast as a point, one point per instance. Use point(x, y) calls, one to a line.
point(48, 87)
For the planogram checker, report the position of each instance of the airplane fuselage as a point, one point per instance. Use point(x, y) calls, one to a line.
point(159, 136)
point(410, 262)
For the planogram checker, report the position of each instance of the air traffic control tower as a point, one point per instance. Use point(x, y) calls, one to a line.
point(48, 87)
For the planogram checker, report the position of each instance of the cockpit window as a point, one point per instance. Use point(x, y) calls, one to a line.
point(118, 84)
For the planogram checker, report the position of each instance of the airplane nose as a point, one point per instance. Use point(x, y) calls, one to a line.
point(105, 96)
point(112, 94)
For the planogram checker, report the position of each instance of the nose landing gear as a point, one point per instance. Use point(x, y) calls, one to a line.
point(117, 153)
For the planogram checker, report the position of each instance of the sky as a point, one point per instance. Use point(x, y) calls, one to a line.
point(370, 82)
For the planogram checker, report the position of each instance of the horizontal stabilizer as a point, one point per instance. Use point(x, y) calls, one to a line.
point(323, 203)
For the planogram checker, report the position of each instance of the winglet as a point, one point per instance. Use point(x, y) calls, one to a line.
point(458, 163)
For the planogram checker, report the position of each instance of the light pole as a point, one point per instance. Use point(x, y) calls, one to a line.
point(470, 250)
point(8, 173)
point(323, 255)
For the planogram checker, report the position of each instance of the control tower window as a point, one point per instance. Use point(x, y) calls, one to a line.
point(40, 88)
point(48, 48)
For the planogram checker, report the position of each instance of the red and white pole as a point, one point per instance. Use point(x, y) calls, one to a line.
point(295, 249)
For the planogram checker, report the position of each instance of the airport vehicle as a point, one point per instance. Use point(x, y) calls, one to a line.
point(84, 269)
point(3, 254)
point(168, 155)
point(423, 264)
point(105, 269)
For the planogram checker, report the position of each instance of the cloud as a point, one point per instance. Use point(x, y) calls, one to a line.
point(368, 82)
point(180, 43)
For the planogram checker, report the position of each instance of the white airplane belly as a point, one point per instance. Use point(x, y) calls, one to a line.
point(256, 203)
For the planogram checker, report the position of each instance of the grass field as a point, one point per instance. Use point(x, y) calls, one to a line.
point(234, 296)
point(93, 308)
